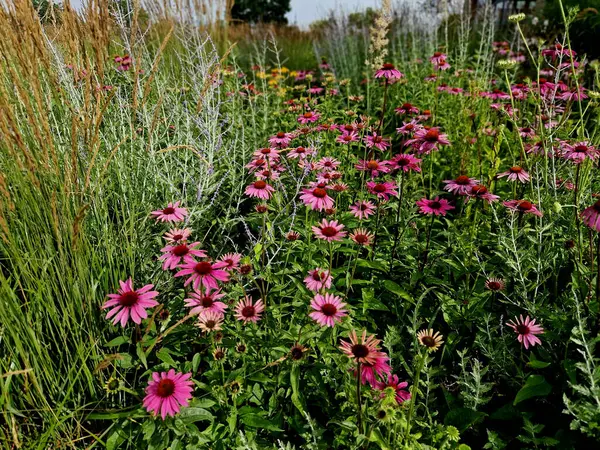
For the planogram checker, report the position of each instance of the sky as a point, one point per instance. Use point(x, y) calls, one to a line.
point(306, 11)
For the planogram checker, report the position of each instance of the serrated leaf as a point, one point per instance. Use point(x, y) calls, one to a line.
point(535, 386)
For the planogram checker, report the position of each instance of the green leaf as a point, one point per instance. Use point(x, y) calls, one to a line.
point(372, 264)
point(377, 437)
point(535, 386)
point(537, 364)
point(193, 414)
point(256, 421)
point(148, 428)
point(164, 356)
point(141, 354)
point(295, 382)
point(395, 288)
point(463, 418)
point(117, 341)
point(195, 362)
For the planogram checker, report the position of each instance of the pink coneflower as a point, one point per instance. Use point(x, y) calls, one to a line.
point(173, 255)
point(591, 216)
point(247, 311)
point(382, 190)
point(209, 321)
point(526, 330)
point(389, 72)
point(462, 185)
point(327, 176)
point(515, 173)
point(430, 78)
point(232, 260)
point(316, 199)
point(407, 109)
point(206, 300)
point(329, 230)
point(281, 139)
point(363, 351)
point(340, 187)
point(260, 189)
point(374, 166)
point(374, 140)
point(523, 207)
point(167, 392)
point(370, 371)
point(347, 138)
point(328, 309)
point(427, 140)
point(292, 236)
point(579, 151)
point(437, 206)
point(527, 132)
point(393, 381)
point(128, 302)
point(479, 191)
point(308, 117)
point(327, 163)
point(362, 209)
point(203, 273)
point(301, 152)
point(438, 58)
point(494, 284)
point(441, 65)
point(272, 154)
point(172, 213)
point(409, 128)
point(318, 279)
point(406, 162)
point(362, 237)
point(176, 235)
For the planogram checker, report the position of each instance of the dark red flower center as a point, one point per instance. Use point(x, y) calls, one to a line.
point(319, 192)
point(379, 188)
point(435, 205)
point(260, 184)
point(328, 309)
point(328, 231)
point(494, 285)
point(360, 350)
point(407, 106)
point(307, 115)
point(165, 388)
point(402, 161)
point(248, 311)
point(129, 298)
point(180, 250)
point(515, 169)
point(479, 190)
point(300, 150)
point(463, 180)
point(388, 66)
point(437, 54)
point(168, 210)
point(526, 130)
point(372, 165)
point(207, 301)
point(203, 268)
point(177, 237)
point(409, 127)
point(581, 148)
point(428, 341)
point(363, 207)
point(596, 206)
point(377, 139)
point(210, 324)
point(347, 138)
point(281, 135)
point(524, 205)
point(265, 151)
point(361, 238)
point(522, 329)
point(432, 135)
point(318, 276)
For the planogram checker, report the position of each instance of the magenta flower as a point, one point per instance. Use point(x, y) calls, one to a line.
point(382, 190)
point(328, 310)
point(438, 58)
point(523, 207)
point(309, 117)
point(318, 279)
point(462, 185)
point(260, 189)
point(232, 260)
point(527, 132)
point(201, 301)
point(406, 162)
point(407, 109)
point(247, 311)
point(389, 72)
point(437, 206)
point(408, 128)
point(281, 139)
point(515, 173)
point(527, 331)
point(327, 163)
point(379, 142)
point(128, 302)
point(167, 392)
point(203, 273)
point(591, 216)
point(347, 138)
point(427, 140)
point(172, 213)
point(479, 191)
point(379, 367)
point(173, 255)
point(301, 152)
point(362, 209)
point(579, 151)
point(374, 166)
point(329, 230)
point(176, 235)
point(402, 394)
point(316, 199)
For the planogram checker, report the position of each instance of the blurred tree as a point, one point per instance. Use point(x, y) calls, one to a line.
point(266, 11)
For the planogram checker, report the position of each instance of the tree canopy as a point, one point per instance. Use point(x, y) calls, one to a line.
point(254, 11)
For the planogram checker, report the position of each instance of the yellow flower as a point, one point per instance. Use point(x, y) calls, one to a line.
point(429, 339)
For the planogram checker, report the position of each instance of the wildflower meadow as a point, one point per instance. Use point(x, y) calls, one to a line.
point(378, 234)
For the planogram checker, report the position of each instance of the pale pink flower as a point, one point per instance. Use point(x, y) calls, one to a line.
point(362, 237)
point(374, 140)
point(173, 255)
point(232, 260)
point(515, 173)
point(479, 191)
point(309, 117)
point(523, 207)
point(374, 166)
point(407, 109)
point(382, 190)
point(327, 163)
point(301, 152)
point(206, 300)
point(167, 392)
point(209, 320)
point(579, 151)
point(281, 139)
point(176, 235)
point(172, 213)
point(328, 309)
point(362, 209)
point(347, 138)
point(128, 302)
point(247, 311)
point(462, 185)
point(329, 230)
point(318, 279)
point(260, 189)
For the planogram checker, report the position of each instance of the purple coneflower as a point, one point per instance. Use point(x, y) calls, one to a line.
point(172, 213)
point(318, 279)
point(523, 207)
point(329, 230)
point(437, 206)
point(462, 185)
point(382, 190)
point(260, 189)
point(167, 392)
point(206, 300)
point(591, 216)
point(316, 199)
point(362, 209)
point(203, 273)
point(515, 173)
point(173, 255)
point(527, 331)
point(328, 309)
point(128, 302)
point(379, 142)
point(389, 72)
point(247, 311)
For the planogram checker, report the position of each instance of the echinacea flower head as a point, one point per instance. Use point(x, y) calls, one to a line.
point(177, 235)
point(309, 117)
point(172, 213)
point(406, 163)
point(363, 350)
point(301, 152)
point(402, 393)
point(281, 139)
point(209, 321)
point(376, 141)
point(479, 191)
point(173, 255)
point(329, 230)
point(591, 216)
point(362, 209)
point(461, 185)
point(374, 166)
point(232, 260)
point(203, 273)
point(128, 302)
point(437, 206)
point(389, 72)
point(248, 311)
point(167, 392)
point(382, 190)
point(515, 173)
point(327, 163)
point(527, 330)
point(430, 339)
point(260, 189)
point(207, 300)
point(494, 284)
point(328, 309)
point(362, 237)
point(407, 109)
point(428, 139)
point(579, 152)
point(380, 367)
point(316, 198)
point(523, 207)
point(347, 138)
point(318, 279)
